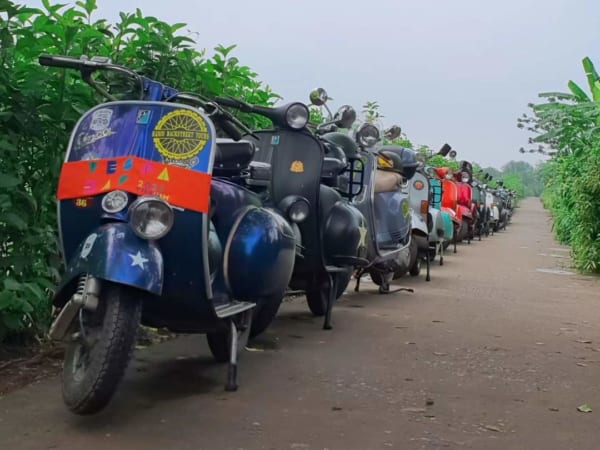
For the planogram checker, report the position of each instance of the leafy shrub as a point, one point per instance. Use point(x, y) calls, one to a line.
point(567, 126)
point(39, 107)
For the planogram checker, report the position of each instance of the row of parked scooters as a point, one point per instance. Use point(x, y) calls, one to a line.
point(173, 214)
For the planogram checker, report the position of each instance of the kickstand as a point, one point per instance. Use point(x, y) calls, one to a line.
point(359, 275)
point(231, 384)
point(399, 290)
point(238, 337)
point(333, 281)
point(428, 277)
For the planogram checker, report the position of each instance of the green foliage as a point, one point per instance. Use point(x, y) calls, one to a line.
point(441, 161)
point(39, 107)
point(567, 128)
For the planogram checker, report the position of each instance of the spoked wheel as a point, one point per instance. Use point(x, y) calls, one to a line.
point(100, 348)
point(317, 297)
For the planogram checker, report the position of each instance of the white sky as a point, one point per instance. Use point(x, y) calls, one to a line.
point(457, 71)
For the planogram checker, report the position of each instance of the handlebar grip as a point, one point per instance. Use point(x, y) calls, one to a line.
point(230, 129)
point(60, 61)
point(224, 101)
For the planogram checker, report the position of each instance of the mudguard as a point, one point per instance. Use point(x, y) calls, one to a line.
point(465, 212)
point(448, 226)
point(418, 223)
point(114, 253)
point(453, 216)
point(438, 229)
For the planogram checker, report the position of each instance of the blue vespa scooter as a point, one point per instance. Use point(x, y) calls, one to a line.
point(153, 235)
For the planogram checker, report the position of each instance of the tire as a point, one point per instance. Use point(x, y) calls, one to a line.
point(265, 313)
point(415, 268)
point(92, 373)
point(218, 343)
point(317, 298)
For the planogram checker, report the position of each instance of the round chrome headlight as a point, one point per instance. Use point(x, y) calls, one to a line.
point(296, 116)
point(115, 202)
point(151, 217)
point(367, 135)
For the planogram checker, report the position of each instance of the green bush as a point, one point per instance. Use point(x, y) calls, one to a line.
point(39, 107)
point(567, 126)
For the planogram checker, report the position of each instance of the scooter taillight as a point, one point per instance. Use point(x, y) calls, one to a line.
point(424, 206)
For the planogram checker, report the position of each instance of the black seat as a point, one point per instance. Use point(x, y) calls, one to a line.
point(231, 157)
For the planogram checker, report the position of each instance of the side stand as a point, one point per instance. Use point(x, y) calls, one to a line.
point(237, 335)
point(333, 282)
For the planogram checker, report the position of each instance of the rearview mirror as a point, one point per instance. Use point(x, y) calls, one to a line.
point(393, 132)
point(318, 97)
point(444, 150)
point(345, 116)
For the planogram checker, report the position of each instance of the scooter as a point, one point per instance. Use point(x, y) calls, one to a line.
point(447, 227)
point(288, 170)
point(385, 204)
point(464, 178)
point(482, 215)
point(152, 235)
point(427, 222)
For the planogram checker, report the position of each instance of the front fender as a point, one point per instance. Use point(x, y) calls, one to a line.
point(114, 253)
point(418, 223)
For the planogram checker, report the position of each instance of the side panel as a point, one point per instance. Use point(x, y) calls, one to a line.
point(259, 255)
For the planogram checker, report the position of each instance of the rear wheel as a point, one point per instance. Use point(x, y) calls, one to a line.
point(103, 341)
point(264, 314)
point(317, 297)
point(415, 267)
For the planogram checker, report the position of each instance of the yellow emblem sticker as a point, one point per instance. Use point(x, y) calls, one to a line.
point(297, 167)
point(384, 162)
point(180, 134)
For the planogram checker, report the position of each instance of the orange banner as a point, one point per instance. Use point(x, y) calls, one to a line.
point(179, 186)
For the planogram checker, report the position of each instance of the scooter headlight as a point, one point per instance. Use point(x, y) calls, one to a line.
point(295, 207)
point(151, 217)
point(465, 178)
point(296, 116)
point(115, 202)
point(367, 135)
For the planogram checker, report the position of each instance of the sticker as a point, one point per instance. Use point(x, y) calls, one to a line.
point(88, 245)
point(385, 162)
point(418, 185)
point(362, 229)
point(143, 116)
point(274, 140)
point(405, 208)
point(297, 167)
point(83, 202)
point(84, 139)
point(138, 260)
point(101, 119)
point(180, 135)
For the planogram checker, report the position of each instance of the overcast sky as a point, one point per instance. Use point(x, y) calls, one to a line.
point(457, 71)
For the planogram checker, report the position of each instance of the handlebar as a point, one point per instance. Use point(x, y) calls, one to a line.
point(69, 62)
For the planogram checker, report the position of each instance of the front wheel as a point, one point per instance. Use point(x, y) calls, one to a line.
point(317, 297)
point(102, 344)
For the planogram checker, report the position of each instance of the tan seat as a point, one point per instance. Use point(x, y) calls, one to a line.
point(386, 181)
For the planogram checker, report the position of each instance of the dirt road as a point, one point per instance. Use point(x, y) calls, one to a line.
point(496, 352)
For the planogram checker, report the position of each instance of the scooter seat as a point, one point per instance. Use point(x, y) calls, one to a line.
point(231, 157)
point(386, 181)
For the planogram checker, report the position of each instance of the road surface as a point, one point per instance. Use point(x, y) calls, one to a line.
point(496, 352)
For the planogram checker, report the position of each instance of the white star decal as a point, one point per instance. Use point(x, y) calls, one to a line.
point(138, 260)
